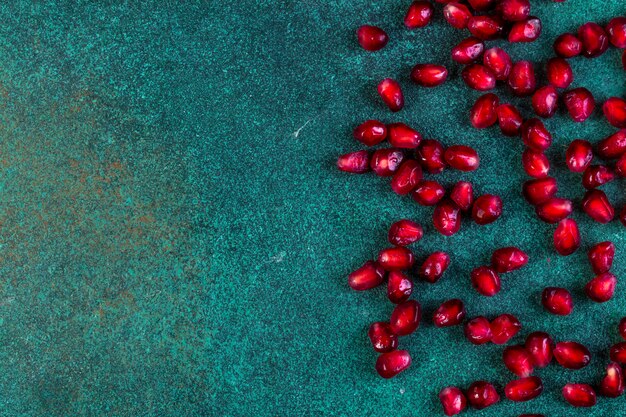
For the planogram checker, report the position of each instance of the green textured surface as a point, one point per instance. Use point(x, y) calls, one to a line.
point(175, 239)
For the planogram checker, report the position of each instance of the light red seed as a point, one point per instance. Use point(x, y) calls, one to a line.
point(559, 73)
point(616, 30)
point(396, 259)
point(509, 119)
point(428, 193)
point(447, 217)
point(618, 353)
point(399, 287)
point(525, 31)
point(597, 175)
point(568, 46)
point(485, 27)
point(457, 15)
point(614, 110)
point(429, 75)
point(601, 288)
point(382, 337)
point(354, 162)
point(536, 164)
point(405, 318)
point(535, 135)
point(371, 38)
point(557, 301)
point(566, 237)
point(545, 101)
point(486, 209)
point(503, 328)
point(385, 162)
point(482, 394)
point(594, 39)
point(578, 155)
point(554, 210)
point(514, 10)
point(434, 266)
point(449, 313)
point(468, 50)
point(522, 79)
point(462, 157)
point(613, 146)
point(479, 77)
point(486, 281)
point(478, 331)
point(508, 259)
point(419, 14)
point(539, 190)
point(368, 276)
point(572, 355)
point(404, 232)
point(517, 360)
point(579, 395)
point(452, 400)
point(370, 132)
point(524, 389)
point(402, 136)
point(499, 62)
point(540, 345)
point(579, 103)
point(612, 384)
point(391, 93)
point(601, 257)
point(430, 155)
point(597, 206)
point(483, 112)
point(407, 177)
point(463, 195)
point(391, 364)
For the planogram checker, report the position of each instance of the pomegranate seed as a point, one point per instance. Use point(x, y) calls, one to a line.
point(404, 232)
point(597, 175)
point(391, 93)
point(540, 190)
point(403, 136)
point(601, 257)
point(616, 29)
point(509, 119)
point(450, 313)
point(480, 5)
point(370, 132)
point(487, 209)
point(479, 77)
point(429, 75)
point(568, 46)
point(485, 27)
point(482, 394)
point(468, 51)
point(368, 276)
point(396, 259)
point(554, 210)
point(597, 206)
point(430, 155)
point(462, 157)
point(580, 103)
point(382, 337)
point(620, 166)
point(434, 266)
point(614, 110)
point(539, 345)
point(486, 281)
point(399, 287)
point(578, 155)
point(594, 39)
point(419, 14)
point(371, 38)
point(572, 355)
point(525, 31)
point(622, 328)
point(579, 395)
point(483, 112)
point(613, 146)
point(518, 360)
point(385, 162)
point(446, 217)
point(452, 400)
point(566, 237)
point(524, 389)
point(354, 162)
point(407, 177)
point(557, 301)
point(499, 62)
point(463, 195)
point(428, 193)
point(391, 364)
point(535, 135)
point(514, 10)
point(508, 259)
point(503, 328)
point(601, 288)
point(545, 101)
point(522, 79)
point(559, 73)
point(612, 384)
point(457, 15)
point(405, 318)
point(478, 331)
point(618, 353)
point(536, 164)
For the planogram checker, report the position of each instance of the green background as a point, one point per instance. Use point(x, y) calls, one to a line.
point(175, 239)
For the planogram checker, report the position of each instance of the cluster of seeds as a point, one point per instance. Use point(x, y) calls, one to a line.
point(410, 156)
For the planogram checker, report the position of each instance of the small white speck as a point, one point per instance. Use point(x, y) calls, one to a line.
point(297, 132)
point(278, 258)
point(402, 391)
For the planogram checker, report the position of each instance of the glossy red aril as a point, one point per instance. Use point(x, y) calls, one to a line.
point(572, 355)
point(391, 93)
point(559, 73)
point(405, 318)
point(479, 77)
point(429, 75)
point(612, 384)
point(385, 162)
point(499, 62)
point(545, 101)
point(370, 132)
point(622, 328)
point(601, 288)
point(382, 337)
point(508, 259)
point(354, 162)
point(554, 210)
point(486, 281)
point(404, 232)
point(518, 360)
point(419, 14)
point(452, 400)
point(430, 155)
point(480, 5)
point(539, 190)
point(580, 103)
point(403, 136)
point(372, 38)
point(462, 157)
point(447, 217)
point(478, 331)
point(536, 164)
point(597, 206)
point(568, 46)
point(525, 31)
point(463, 195)
point(485, 27)
point(368, 276)
point(616, 29)
point(482, 394)
point(391, 364)
point(597, 175)
point(578, 155)
point(486, 209)
point(509, 119)
point(566, 237)
point(618, 353)
point(399, 287)
point(594, 39)
point(483, 112)
point(450, 313)
point(457, 15)
point(514, 10)
point(524, 389)
point(579, 395)
point(468, 50)
point(601, 257)
point(614, 110)
point(503, 328)
point(428, 193)
point(434, 266)
point(613, 146)
point(539, 345)
point(407, 177)
point(396, 259)
point(557, 301)
point(535, 135)
point(522, 79)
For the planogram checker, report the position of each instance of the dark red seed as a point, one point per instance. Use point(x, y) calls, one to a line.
point(499, 62)
point(399, 287)
point(462, 157)
point(391, 364)
point(405, 318)
point(370, 132)
point(391, 93)
point(468, 51)
point(486, 209)
point(428, 193)
point(535, 135)
point(518, 360)
point(613, 146)
point(434, 266)
point(508, 259)
point(483, 112)
point(559, 73)
point(601, 257)
point(580, 103)
point(620, 166)
point(403, 136)
point(566, 237)
point(503, 328)
point(622, 328)
point(478, 331)
point(522, 79)
point(540, 190)
point(368, 276)
point(452, 400)
point(536, 164)
point(450, 313)
point(404, 232)
point(572, 355)
point(482, 394)
point(579, 395)
point(447, 217)
point(554, 210)
point(371, 38)
point(616, 29)
point(597, 206)
point(525, 31)
point(480, 5)
point(514, 10)
point(601, 288)
point(539, 345)
point(385, 162)
point(545, 101)
point(614, 110)
point(407, 177)
point(479, 77)
point(509, 119)
point(419, 14)
point(594, 39)
point(578, 155)
point(568, 46)
point(485, 27)
point(486, 281)
point(524, 389)
point(396, 259)
point(382, 337)
point(597, 175)
point(457, 15)
point(429, 75)
point(354, 162)
point(612, 384)
point(557, 301)
point(430, 155)
point(618, 353)
point(463, 195)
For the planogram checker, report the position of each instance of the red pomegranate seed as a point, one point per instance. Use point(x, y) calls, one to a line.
point(486, 281)
point(536, 164)
point(499, 62)
point(419, 14)
point(522, 79)
point(385, 162)
point(463, 195)
point(485, 27)
point(479, 77)
point(382, 337)
point(508, 259)
point(616, 29)
point(613, 146)
point(480, 5)
point(434, 266)
point(503, 328)
point(430, 155)
point(557, 301)
point(405, 318)
point(601, 257)
point(404, 232)
point(620, 166)
point(568, 46)
point(622, 328)
point(509, 119)
point(539, 345)
point(594, 39)
point(399, 287)
point(614, 110)
point(428, 193)
point(597, 175)
point(450, 313)
point(580, 103)
point(554, 210)
point(578, 155)
point(391, 93)
point(559, 73)
point(566, 237)
point(482, 394)
point(368, 276)
point(478, 331)
point(403, 136)
point(545, 101)
point(612, 384)
point(518, 360)
point(514, 10)
point(597, 206)
point(540, 190)
point(535, 135)
point(572, 355)
point(372, 38)
point(618, 353)
point(407, 177)
point(457, 15)
point(524, 389)
point(429, 75)
point(525, 31)
point(462, 157)
point(452, 400)
point(468, 51)
point(391, 364)
point(579, 395)
point(447, 218)
point(354, 162)
point(370, 132)
point(483, 112)
point(486, 209)
point(601, 288)
point(395, 259)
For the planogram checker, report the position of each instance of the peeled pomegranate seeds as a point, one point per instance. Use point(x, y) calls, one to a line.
point(524, 389)
point(572, 355)
point(372, 38)
point(481, 394)
point(579, 395)
point(391, 364)
point(404, 232)
point(452, 400)
point(382, 337)
point(612, 384)
point(450, 313)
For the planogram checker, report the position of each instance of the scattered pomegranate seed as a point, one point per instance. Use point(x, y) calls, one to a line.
point(601, 288)
point(508, 259)
point(618, 353)
point(430, 155)
point(601, 257)
point(485, 27)
point(371, 38)
point(419, 14)
point(620, 166)
point(407, 177)
point(509, 119)
point(480, 5)
point(597, 175)
point(514, 10)
point(479, 77)
point(368, 276)
point(462, 157)
point(578, 155)
point(468, 51)
point(559, 73)
point(522, 78)
point(622, 328)
point(566, 237)
point(535, 135)
point(597, 206)
point(370, 132)
point(446, 217)
point(396, 259)
point(545, 101)
point(486, 209)
point(579, 395)
point(580, 103)
point(354, 162)
point(486, 281)
point(399, 287)
point(483, 112)
point(382, 337)
point(482, 394)
point(403, 136)
point(429, 75)
point(539, 190)
point(594, 39)
point(450, 313)
point(554, 210)
point(391, 364)
point(524, 389)
point(391, 93)
point(385, 162)
point(463, 195)
point(614, 110)
point(525, 31)
point(405, 318)
point(457, 15)
point(404, 232)
point(503, 328)
point(518, 360)
point(434, 266)
point(572, 355)
point(478, 331)
point(557, 301)
point(536, 164)
point(568, 46)
point(452, 400)
point(428, 193)
point(539, 345)
point(616, 29)
point(612, 384)
point(613, 146)
point(499, 62)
